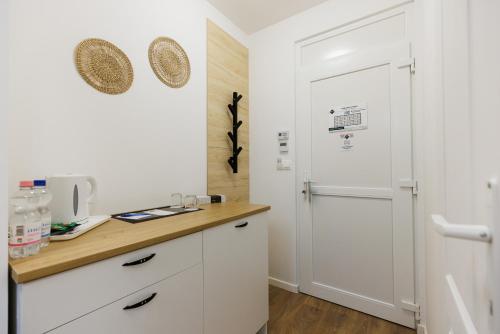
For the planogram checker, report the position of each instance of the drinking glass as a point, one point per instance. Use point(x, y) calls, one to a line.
point(176, 200)
point(190, 202)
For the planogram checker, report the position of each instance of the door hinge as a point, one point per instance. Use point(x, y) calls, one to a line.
point(409, 62)
point(407, 183)
point(412, 307)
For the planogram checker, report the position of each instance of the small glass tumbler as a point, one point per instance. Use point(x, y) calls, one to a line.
point(190, 202)
point(176, 200)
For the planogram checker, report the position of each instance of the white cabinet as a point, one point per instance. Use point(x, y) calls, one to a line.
point(210, 282)
point(236, 276)
point(172, 306)
point(71, 294)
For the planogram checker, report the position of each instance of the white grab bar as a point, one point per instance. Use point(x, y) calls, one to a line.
point(459, 231)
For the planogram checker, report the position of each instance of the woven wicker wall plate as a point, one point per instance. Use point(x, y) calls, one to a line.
point(104, 66)
point(169, 62)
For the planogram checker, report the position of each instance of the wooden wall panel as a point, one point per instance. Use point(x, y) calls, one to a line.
point(227, 72)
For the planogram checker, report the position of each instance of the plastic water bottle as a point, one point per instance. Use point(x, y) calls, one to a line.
point(25, 226)
point(44, 198)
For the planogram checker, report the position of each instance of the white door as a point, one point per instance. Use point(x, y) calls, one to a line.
point(461, 85)
point(355, 218)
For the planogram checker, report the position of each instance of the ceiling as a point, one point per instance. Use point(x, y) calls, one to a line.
point(253, 15)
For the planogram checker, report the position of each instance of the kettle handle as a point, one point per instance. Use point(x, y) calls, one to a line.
point(93, 190)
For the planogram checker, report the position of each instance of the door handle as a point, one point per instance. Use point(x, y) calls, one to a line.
point(459, 231)
point(307, 190)
point(241, 225)
point(410, 184)
point(141, 303)
point(140, 261)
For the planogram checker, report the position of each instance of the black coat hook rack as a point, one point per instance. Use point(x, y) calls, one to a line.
point(233, 108)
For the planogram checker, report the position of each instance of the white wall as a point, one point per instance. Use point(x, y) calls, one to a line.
point(272, 94)
point(3, 166)
point(141, 145)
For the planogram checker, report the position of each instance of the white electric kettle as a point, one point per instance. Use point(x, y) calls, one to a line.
point(71, 194)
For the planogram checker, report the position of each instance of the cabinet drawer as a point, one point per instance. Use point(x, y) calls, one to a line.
point(172, 306)
point(49, 302)
point(236, 276)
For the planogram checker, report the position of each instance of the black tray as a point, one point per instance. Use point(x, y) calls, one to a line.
point(177, 210)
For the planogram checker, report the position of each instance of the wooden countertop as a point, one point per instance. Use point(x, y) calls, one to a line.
point(116, 237)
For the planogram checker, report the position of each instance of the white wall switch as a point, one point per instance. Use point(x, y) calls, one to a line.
point(283, 164)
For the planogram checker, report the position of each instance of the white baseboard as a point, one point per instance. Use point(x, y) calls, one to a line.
point(283, 285)
point(263, 330)
point(421, 329)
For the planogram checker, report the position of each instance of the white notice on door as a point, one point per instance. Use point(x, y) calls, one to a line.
point(348, 118)
point(347, 142)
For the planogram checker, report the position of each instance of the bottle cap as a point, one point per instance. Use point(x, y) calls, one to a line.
point(26, 184)
point(40, 183)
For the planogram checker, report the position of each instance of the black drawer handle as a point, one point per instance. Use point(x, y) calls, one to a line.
point(141, 261)
point(241, 225)
point(141, 303)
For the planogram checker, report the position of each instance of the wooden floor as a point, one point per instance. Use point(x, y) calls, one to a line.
point(291, 313)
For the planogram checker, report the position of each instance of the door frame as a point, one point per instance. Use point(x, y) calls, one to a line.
point(415, 26)
point(429, 99)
